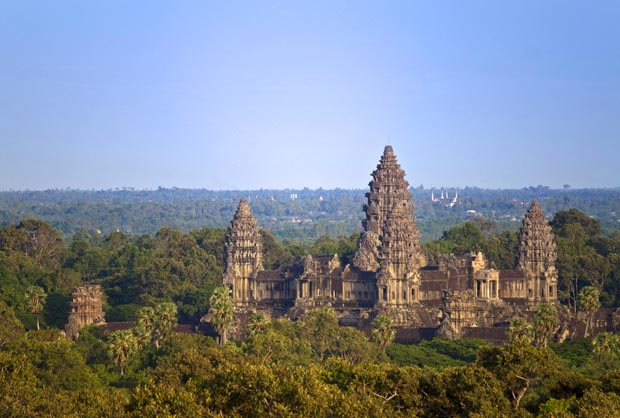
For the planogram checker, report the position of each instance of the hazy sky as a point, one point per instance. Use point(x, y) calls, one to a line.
point(261, 94)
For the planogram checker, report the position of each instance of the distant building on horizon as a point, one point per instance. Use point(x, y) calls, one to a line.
point(445, 199)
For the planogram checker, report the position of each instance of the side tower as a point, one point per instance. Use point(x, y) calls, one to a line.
point(390, 243)
point(243, 255)
point(86, 309)
point(537, 256)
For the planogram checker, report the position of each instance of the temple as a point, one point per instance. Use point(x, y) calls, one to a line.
point(86, 309)
point(390, 273)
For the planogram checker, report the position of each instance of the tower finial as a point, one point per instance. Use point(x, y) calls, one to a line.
point(389, 192)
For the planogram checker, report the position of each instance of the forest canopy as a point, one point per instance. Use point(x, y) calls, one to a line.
point(312, 366)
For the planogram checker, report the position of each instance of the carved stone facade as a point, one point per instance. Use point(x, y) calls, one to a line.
point(244, 255)
point(537, 256)
point(389, 220)
point(390, 243)
point(389, 273)
point(86, 309)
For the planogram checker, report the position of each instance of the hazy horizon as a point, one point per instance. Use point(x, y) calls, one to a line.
point(449, 189)
point(277, 95)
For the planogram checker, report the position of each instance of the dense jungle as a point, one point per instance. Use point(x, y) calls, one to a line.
point(158, 286)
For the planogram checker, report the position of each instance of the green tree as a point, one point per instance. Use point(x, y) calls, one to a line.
point(122, 345)
point(143, 331)
point(596, 403)
point(459, 239)
point(571, 246)
point(589, 302)
point(517, 366)
point(466, 391)
point(58, 364)
point(328, 340)
point(383, 331)
point(43, 243)
point(501, 250)
point(257, 323)
point(556, 408)
point(466, 237)
point(280, 342)
point(165, 321)
point(221, 312)
point(578, 263)
point(35, 297)
point(10, 327)
point(320, 328)
point(154, 323)
point(17, 385)
point(563, 218)
point(274, 254)
point(606, 344)
point(520, 331)
point(545, 321)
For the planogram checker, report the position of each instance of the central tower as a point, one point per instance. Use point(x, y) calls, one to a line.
point(243, 255)
point(537, 255)
point(390, 243)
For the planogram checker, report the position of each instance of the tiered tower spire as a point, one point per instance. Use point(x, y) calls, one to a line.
point(243, 254)
point(537, 255)
point(390, 243)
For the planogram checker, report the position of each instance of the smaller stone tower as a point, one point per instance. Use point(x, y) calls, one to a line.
point(243, 255)
point(86, 309)
point(537, 256)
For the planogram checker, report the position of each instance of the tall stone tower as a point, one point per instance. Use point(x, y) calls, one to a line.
point(243, 255)
point(390, 243)
point(537, 256)
point(86, 309)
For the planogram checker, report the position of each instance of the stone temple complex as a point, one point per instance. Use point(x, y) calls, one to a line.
point(390, 273)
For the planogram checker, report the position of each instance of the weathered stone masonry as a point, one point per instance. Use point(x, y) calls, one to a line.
point(389, 272)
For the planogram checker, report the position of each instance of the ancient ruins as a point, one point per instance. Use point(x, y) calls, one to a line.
point(86, 309)
point(390, 274)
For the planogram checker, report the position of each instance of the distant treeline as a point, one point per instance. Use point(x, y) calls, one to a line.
point(293, 215)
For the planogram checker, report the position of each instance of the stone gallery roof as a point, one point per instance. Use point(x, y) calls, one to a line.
point(450, 278)
point(495, 335)
point(270, 275)
point(511, 275)
point(357, 275)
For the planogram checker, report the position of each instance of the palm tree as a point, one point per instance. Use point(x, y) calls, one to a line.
point(545, 320)
point(165, 320)
point(257, 323)
point(221, 311)
point(144, 329)
point(122, 345)
point(520, 331)
point(383, 331)
point(35, 297)
point(589, 303)
point(606, 343)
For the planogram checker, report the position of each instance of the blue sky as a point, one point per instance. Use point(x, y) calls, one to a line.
point(260, 94)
